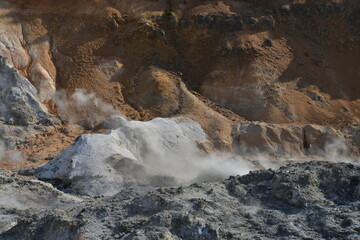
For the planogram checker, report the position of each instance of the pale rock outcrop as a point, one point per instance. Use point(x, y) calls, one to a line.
point(42, 70)
point(270, 139)
point(93, 164)
point(19, 103)
point(290, 141)
point(322, 140)
point(12, 43)
point(27, 48)
point(166, 152)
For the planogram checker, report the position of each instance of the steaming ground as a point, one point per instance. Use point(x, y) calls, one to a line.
point(85, 108)
point(162, 179)
point(160, 152)
point(169, 151)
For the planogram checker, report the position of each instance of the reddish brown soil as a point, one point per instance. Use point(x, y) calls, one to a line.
point(312, 57)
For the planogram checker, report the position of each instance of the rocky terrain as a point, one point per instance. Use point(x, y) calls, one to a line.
point(312, 200)
point(177, 119)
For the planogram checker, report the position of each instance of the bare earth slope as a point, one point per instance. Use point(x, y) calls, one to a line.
point(293, 61)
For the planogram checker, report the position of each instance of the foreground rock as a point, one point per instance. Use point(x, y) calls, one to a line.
point(311, 200)
point(19, 197)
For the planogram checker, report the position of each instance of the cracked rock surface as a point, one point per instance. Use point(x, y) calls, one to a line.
point(309, 200)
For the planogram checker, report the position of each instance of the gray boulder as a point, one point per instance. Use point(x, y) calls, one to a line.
point(19, 102)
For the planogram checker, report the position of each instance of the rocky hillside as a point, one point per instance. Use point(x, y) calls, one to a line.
point(294, 61)
point(122, 119)
point(281, 62)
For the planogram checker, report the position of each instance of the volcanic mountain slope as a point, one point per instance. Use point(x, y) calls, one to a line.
point(293, 61)
point(216, 62)
point(102, 102)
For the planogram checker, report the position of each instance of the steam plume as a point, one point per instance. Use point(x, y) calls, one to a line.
point(86, 109)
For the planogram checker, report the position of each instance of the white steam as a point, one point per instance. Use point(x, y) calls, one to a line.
point(86, 109)
point(191, 166)
point(218, 166)
point(337, 150)
point(10, 156)
point(161, 152)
